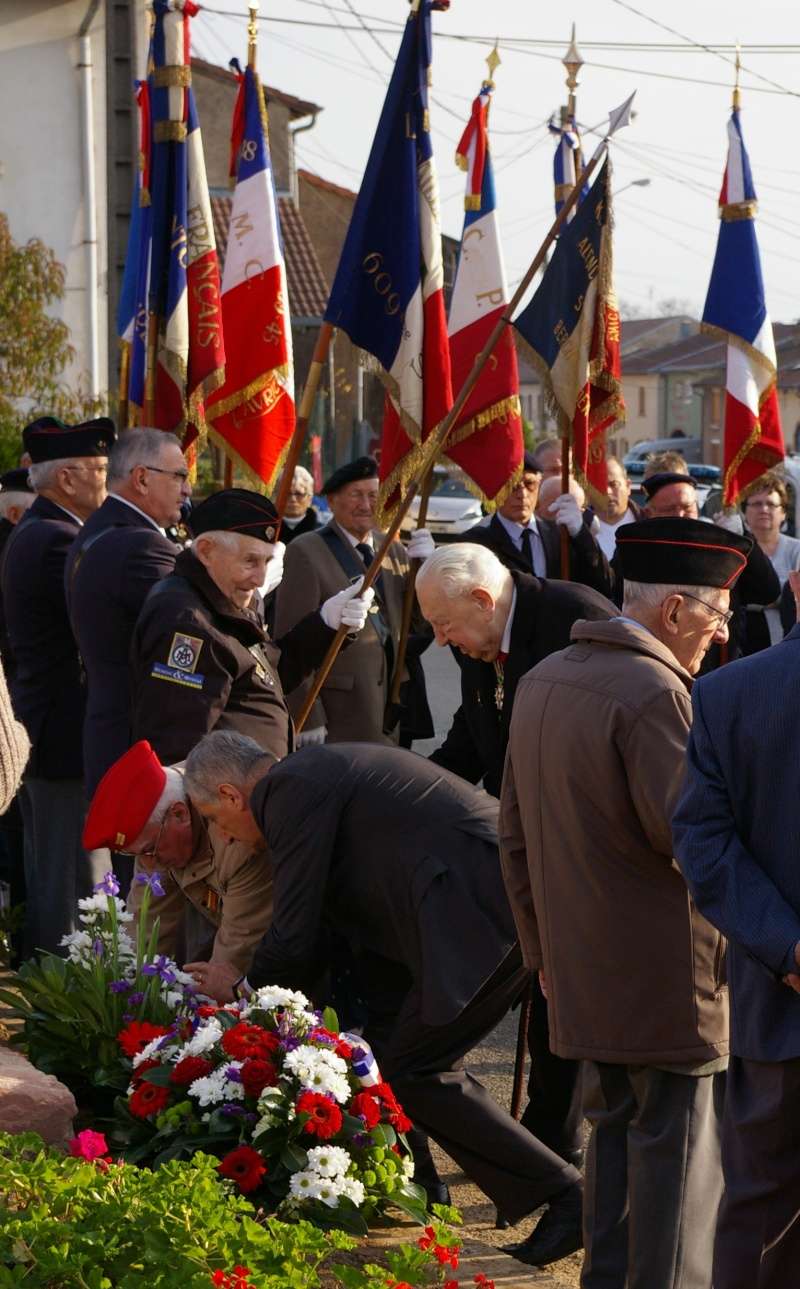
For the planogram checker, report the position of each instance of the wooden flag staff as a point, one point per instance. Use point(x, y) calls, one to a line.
point(436, 441)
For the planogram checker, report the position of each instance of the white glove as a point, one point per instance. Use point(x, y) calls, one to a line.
point(348, 608)
point(312, 738)
point(421, 546)
point(274, 574)
point(731, 521)
point(565, 510)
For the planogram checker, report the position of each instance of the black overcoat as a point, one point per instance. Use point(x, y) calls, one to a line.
point(588, 565)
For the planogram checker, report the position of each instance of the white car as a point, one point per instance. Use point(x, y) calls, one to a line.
point(452, 510)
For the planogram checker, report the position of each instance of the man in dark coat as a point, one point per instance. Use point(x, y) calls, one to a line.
point(501, 624)
point(68, 473)
point(115, 559)
point(400, 859)
point(735, 837)
point(201, 657)
point(531, 545)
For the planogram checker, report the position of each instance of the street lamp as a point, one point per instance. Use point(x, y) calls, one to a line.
point(634, 183)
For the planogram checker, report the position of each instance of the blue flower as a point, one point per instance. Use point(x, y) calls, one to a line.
point(153, 881)
point(160, 966)
point(98, 948)
point(108, 886)
point(135, 999)
point(232, 1074)
point(120, 986)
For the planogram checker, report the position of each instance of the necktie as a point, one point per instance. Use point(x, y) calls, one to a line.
point(527, 552)
point(366, 552)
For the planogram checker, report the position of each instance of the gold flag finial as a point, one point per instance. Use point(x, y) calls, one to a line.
point(252, 34)
point(737, 94)
point(573, 62)
point(492, 62)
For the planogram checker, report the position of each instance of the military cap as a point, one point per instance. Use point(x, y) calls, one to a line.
point(15, 480)
point(681, 552)
point(236, 510)
point(658, 481)
point(49, 439)
point(353, 472)
point(124, 799)
point(530, 465)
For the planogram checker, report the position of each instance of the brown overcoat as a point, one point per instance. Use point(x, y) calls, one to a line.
point(595, 761)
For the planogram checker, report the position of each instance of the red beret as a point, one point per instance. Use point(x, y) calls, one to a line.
point(126, 797)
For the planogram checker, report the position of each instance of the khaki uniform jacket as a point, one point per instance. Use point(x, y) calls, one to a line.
point(353, 699)
point(227, 882)
point(595, 763)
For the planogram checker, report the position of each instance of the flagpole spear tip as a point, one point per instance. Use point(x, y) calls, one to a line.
point(737, 93)
point(252, 34)
point(493, 61)
point(573, 62)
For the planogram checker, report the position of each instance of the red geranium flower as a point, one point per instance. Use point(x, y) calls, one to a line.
point(204, 1010)
point(137, 1035)
point(244, 1166)
point(397, 1118)
point(400, 1121)
point(324, 1116)
point(243, 1040)
point(148, 1100)
point(189, 1069)
point(365, 1107)
point(344, 1050)
point(257, 1074)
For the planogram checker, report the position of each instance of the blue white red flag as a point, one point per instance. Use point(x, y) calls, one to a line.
point(566, 164)
point(572, 327)
point(388, 291)
point(736, 310)
point(486, 443)
point(183, 287)
point(253, 414)
point(132, 310)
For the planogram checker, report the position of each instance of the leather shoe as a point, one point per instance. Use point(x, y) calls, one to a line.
point(437, 1193)
point(557, 1233)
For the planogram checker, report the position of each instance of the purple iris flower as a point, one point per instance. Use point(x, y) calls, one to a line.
point(98, 948)
point(160, 967)
point(108, 886)
point(153, 881)
point(119, 986)
point(135, 999)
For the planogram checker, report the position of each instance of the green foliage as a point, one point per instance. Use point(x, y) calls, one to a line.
point(34, 347)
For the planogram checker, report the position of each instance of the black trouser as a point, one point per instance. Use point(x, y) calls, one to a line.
point(758, 1234)
point(553, 1113)
point(424, 1064)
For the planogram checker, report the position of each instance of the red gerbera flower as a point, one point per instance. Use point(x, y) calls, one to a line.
point(148, 1100)
point(204, 1010)
point(244, 1166)
point(365, 1107)
point(137, 1035)
point(344, 1050)
point(257, 1074)
point(189, 1069)
point(324, 1116)
point(243, 1040)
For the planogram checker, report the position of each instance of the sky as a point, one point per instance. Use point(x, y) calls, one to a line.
point(665, 233)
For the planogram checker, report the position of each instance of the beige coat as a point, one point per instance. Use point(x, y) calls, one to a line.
point(595, 761)
point(353, 699)
point(226, 882)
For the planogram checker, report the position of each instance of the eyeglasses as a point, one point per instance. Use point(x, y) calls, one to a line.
point(180, 475)
point(724, 615)
point(765, 505)
point(151, 852)
point(89, 469)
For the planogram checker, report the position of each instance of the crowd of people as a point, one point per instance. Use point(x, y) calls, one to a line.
point(629, 817)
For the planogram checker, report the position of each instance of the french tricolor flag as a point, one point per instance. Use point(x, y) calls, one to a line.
point(486, 444)
point(736, 309)
point(388, 294)
point(253, 415)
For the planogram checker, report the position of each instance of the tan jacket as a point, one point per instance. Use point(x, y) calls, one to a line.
point(595, 761)
point(227, 882)
point(353, 699)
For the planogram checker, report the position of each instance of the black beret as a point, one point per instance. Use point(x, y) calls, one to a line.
point(236, 510)
point(361, 468)
point(656, 482)
point(681, 552)
point(15, 480)
point(529, 464)
point(49, 439)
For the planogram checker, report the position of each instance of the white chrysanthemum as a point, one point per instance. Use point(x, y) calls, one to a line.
point(353, 1189)
point(271, 996)
point(328, 1161)
point(408, 1166)
point(207, 1034)
point(211, 1089)
point(328, 1083)
point(328, 1191)
point(151, 1049)
point(234, 1091)
point(304, 1185)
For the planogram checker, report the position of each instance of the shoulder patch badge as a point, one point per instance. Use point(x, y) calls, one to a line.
point(184, 652)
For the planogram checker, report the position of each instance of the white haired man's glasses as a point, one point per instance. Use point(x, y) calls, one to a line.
point(724, 615)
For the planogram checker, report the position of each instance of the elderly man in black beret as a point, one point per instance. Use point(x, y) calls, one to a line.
point(202, 658)
point(631, 969)
point(68, 474)
point(352, 703)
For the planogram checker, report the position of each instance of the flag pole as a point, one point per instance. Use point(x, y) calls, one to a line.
point(435, 442)
point(573, 62)
point(151, 351)
point(123, 403)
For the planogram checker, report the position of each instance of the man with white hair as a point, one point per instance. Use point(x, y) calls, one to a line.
point(115, 559)
point(68, 474)
point(201, 658)
point(631, 969)
point(300, 516)
point(216, 892)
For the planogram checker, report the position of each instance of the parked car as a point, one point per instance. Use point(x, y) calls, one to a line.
point(452, 509)
point(708, 479)
point(690, 449)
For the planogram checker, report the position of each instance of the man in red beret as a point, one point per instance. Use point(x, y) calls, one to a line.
point(217, 892)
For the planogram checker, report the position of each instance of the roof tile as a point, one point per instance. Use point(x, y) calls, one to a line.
point(308, 289)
